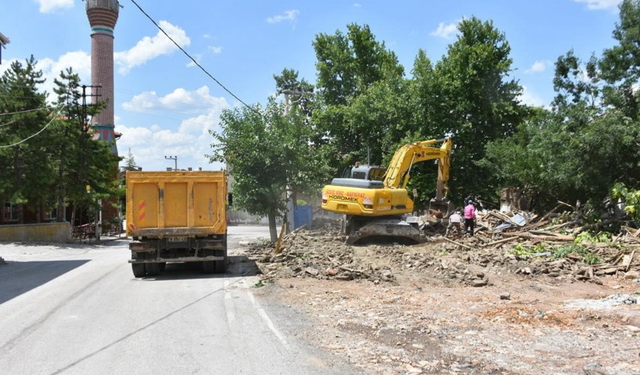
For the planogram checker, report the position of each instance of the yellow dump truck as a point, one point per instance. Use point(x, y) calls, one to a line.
point(177, 216)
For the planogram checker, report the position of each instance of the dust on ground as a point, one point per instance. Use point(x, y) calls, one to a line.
point(447, 308)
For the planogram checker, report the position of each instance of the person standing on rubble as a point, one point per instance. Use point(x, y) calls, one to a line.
point(470, 198)
point(469, 218)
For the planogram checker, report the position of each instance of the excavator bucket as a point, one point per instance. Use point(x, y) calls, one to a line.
point(441, 208)
point(391, 230)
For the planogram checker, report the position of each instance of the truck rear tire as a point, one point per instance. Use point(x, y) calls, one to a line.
point(209, 266)
point(221, 265)
point(153, 269)
point(138, 269)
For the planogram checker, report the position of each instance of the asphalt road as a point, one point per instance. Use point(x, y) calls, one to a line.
point(77, 309)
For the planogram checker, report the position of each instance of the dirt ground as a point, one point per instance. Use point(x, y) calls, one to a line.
point(435, 308)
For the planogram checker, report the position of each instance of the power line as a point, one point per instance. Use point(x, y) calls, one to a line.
point(194, 60)
point(28, 110)
point(17, 97)
point(8, 123)
point(33, 135)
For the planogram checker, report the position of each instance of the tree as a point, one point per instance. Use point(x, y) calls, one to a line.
point(130, 163)
point(620, 65)
point(589, 140)
point(253, 155)
point(267, 153)
point(26, 167)
point(82, 160)
point(66, 135)
point(473, 99)
point(359, 86)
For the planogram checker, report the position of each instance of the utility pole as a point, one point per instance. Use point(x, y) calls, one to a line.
point(85, 136)
point(175, 159)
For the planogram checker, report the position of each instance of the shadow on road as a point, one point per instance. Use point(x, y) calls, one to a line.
point(239, 266)
point(17, 278)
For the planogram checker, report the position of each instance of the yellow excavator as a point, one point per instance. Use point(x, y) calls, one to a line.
point(375, 201)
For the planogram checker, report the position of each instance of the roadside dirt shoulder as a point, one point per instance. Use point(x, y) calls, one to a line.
point(434, 309)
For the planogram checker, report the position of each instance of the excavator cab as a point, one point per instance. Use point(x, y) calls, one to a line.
point(364, 172)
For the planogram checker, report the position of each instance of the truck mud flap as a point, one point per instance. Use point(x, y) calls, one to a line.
point(392, 231)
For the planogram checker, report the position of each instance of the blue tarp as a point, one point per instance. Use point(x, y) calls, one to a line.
point(302, 215)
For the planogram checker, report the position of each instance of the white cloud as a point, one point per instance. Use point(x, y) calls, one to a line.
point(180, 100)
point(6, 64)
point(49, 6)
point(79, 61)
point(446, 31)
point(215, 49)
point(357, 5)
point(289, 15)
point(190, 141)
point(151, 47)
point(530, 98)
point(539, 66)
point(600, 4)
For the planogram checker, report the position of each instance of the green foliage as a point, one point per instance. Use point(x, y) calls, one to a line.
point(268, 153)
point(589, 140)
point(592, 237)
point(51, 169)
point(521, 250)
point(130, 163)
point(477, 101)
point(260, 284)
point(561, 252)
point(591, 259)
point(631, 198)
point(366, 108)
point(361, 96)
point(588, 257)
point(25, 168)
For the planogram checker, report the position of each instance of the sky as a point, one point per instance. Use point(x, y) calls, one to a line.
point(166, 106)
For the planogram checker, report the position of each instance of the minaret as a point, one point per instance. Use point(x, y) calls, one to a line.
point(103, 15)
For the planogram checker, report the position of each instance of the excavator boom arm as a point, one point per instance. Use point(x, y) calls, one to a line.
point(397, 174)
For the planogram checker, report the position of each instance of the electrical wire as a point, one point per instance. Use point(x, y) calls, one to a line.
point(8, 123)
point(192, 59)
point(35, 134)
point(28, 110)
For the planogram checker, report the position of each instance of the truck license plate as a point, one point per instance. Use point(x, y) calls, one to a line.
point(175, 239)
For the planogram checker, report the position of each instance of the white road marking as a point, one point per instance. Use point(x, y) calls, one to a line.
point(266, 318)
point(228, 304)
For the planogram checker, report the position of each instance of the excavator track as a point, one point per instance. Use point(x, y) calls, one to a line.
point(390, 229)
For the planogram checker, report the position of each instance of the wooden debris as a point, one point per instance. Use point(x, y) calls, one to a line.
point(627, 259)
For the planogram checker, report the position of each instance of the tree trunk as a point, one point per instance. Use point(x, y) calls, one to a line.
point(18, 183)
point(273, 231)
point(62, 215)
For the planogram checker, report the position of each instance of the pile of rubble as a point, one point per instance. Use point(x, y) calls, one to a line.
point(516, 244)
point(319, 254)
point(555, 245)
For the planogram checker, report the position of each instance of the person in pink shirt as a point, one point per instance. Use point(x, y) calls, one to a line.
point(469, 218)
